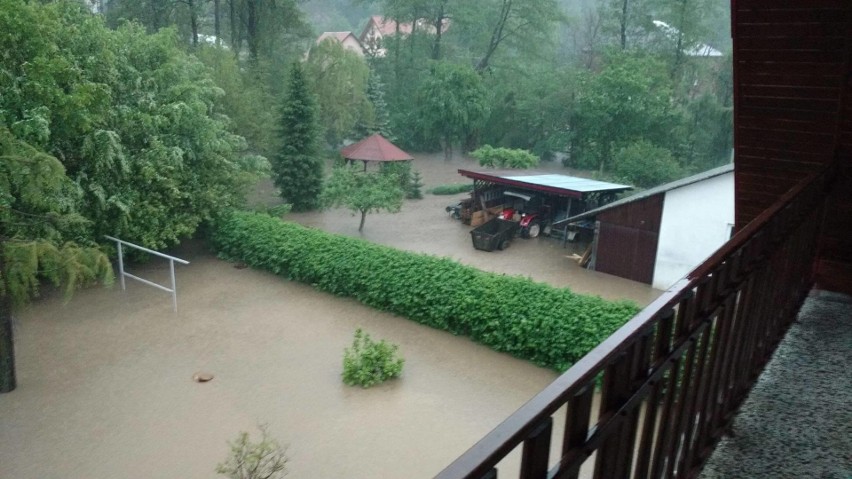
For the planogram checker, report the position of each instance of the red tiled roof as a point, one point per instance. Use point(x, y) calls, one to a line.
point(374, 148)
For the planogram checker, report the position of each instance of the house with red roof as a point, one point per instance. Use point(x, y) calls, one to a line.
point(347, 39)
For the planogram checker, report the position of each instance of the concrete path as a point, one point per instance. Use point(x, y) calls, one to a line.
point(797, 422)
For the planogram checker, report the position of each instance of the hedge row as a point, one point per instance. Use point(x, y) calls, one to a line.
point(549, 326)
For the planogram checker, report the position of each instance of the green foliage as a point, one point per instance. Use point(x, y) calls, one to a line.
point(629, 100)
point(280, 210)
point(452, 189)
point(339, 80)
point(413, 192)
point(409, 179)
point(645, 165)
point(368, 362)
point(362, 192)
point(551, 327)
point(504, 158)
point(245, 101)
point(130, 116)
point(37, 216)
point(297, 168)
point(375, 117)
point(453, 103)
point(265, 459)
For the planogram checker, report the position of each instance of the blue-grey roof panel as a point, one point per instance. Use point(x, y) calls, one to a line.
point(582, 185)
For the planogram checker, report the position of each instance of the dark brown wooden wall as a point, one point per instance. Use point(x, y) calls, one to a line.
point(628, 237)
point(793, 112)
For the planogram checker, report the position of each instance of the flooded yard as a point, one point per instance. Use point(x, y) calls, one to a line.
point(424, 226)
point(105, 388)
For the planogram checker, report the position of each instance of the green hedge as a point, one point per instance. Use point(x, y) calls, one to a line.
point(549, 326)
point(452, 189)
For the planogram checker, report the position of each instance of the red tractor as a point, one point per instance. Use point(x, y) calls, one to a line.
point(530, 211)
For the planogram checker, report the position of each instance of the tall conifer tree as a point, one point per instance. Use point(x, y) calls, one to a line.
point(297, 169)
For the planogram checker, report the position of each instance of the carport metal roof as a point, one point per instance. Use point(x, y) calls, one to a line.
point(562, 185)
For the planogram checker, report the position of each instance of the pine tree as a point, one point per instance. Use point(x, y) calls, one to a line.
point(377, 120)
point(297, 168)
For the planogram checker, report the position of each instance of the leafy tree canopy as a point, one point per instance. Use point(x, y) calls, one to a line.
point(504, 157)
point(339, 79)
point(130, 117)
point(362, 192)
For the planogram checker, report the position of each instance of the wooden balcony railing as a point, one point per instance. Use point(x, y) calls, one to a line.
point(670, 379)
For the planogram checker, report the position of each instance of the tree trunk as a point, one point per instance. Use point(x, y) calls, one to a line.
point(363, 217)
point(624, 24)
point(7, 347)
point(217, 23)
point(193, 21)
point(496, 35)
point(232, 12)
point(439, 29)
point(251, 30)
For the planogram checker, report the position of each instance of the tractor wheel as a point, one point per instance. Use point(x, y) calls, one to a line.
point(534, 230)
point(503, 245)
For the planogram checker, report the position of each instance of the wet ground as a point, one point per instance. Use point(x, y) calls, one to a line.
point(105, 387)
point(424, 226)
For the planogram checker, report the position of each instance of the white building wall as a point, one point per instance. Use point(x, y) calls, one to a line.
point(697, 220)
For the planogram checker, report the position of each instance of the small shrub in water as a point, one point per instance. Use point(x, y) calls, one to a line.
point(368, 363)
point(249, 460)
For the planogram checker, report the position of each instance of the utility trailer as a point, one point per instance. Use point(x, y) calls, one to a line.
point(494, 234)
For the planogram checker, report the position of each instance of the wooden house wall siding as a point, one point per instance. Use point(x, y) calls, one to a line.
point(793, 112)
point(629, 234)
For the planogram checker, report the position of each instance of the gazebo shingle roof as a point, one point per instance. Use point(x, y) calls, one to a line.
point(374, 148)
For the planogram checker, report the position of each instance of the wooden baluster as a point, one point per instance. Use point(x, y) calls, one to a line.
point(536, 451)
point(662, 347)
point(577, 430)
point(616, 380)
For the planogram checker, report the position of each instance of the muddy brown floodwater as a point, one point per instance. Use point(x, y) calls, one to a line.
point(424, 226)
point(105, 381)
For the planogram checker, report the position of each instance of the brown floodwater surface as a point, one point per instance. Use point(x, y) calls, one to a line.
point(106, 384)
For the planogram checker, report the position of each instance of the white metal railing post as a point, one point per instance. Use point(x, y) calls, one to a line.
point(121, 265)
point(174, 284)
point(122, 274)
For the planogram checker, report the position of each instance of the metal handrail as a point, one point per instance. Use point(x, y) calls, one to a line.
point(123, 274)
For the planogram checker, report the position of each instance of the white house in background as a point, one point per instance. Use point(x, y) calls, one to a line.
point(347, 39)
point(696, 50)
point(661, 234)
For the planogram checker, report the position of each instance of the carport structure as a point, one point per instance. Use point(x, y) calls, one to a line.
point(567, 195)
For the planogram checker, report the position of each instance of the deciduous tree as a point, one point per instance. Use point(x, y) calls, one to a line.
point(362, 192)
point(453, 103)
point(339, 80)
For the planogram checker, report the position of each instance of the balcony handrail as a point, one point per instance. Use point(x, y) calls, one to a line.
point(686, 314)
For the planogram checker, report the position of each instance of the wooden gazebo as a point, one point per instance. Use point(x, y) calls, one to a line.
point(374, 148)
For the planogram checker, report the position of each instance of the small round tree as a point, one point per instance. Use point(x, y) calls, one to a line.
point(297, 169)
point(362, 192)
